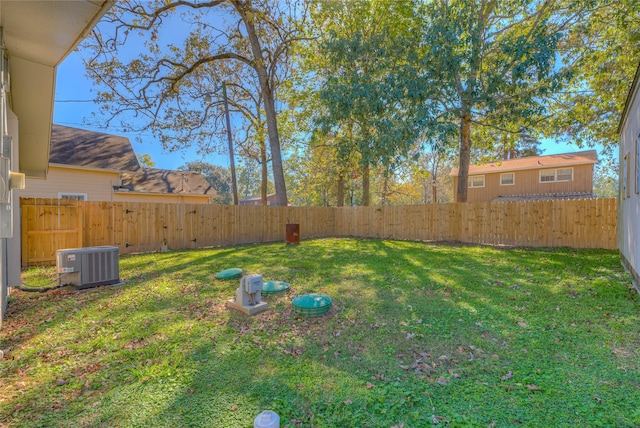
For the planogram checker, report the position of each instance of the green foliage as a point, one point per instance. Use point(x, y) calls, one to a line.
point(367, 90)
point(145, 161)
point(606, 178)
point(250, 180)
point(494, 64)
point(601, 51)
point(418, 334)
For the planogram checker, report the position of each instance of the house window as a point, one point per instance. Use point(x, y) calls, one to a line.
point(507, 179)
point(637, 171)
point(564, 174)
point(476, 181)
point(551, 175)
point(76, 196)
point(547, 176)
point(626, 176)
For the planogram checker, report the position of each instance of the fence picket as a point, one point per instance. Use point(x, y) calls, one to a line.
point(49, 225)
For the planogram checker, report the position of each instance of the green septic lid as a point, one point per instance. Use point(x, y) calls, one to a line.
point(229, 273)
point(311, 305)
point(272, 287)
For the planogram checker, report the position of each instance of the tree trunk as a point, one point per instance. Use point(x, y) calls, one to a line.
point(434, 193)
point(365, 186)
point(265, 173)
point(465, 156)
point(246, 13)
point(385, 190)
point(340, 191)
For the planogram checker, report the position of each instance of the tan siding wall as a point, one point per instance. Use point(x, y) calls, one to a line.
point(527, 182)
point(96, 184)
point(161, 199)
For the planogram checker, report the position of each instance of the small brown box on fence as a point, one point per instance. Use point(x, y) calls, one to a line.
point(293, 234)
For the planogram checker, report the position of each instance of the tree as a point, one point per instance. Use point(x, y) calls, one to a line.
point(602, 53)
point(606, 178)
point(366, 88)
point(161, 87)
point(490, 61)
point(249, 180)
point(217, 176)
point(145, 161)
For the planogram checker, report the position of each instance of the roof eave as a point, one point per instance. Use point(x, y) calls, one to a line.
point(86, 168)
point(633, 92)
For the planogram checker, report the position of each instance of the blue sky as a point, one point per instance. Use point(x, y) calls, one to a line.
point(73, 107)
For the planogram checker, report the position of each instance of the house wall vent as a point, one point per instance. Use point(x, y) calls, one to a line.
point(88, 267)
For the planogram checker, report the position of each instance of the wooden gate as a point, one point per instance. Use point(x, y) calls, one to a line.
point(49, 225)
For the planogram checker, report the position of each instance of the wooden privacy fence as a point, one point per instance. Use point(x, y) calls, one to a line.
point(48, 225)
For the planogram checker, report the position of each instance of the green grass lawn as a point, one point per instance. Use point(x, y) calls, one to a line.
point(418, 334)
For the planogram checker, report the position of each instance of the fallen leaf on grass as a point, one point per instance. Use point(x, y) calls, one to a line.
point(436, 419)
point(370, 385)
point(234, 408)
point(347, 402)
point(507, 376)
point(442, 380)
point(522, 324)
point(533, 387)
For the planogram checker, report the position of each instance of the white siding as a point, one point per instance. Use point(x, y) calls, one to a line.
point(629, 206)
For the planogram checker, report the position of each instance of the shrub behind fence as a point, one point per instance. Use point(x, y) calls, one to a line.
point(51, 224)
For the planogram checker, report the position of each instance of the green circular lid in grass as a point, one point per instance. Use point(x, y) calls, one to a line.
point(311, 305)
point(229, 273)
point(272, 287)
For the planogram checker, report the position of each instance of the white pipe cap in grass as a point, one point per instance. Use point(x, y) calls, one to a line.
point(267, 419)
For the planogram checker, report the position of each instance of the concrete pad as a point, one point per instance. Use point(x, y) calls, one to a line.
point(249, 310)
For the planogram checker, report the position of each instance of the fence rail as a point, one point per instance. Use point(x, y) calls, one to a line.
point(144, 227)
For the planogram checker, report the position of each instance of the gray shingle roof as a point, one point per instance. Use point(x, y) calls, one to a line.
point(153, 180)
point(89, 149)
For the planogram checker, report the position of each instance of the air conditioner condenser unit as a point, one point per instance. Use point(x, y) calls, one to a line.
point(88, 267)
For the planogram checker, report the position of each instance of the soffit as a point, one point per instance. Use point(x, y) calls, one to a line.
point(38, 35)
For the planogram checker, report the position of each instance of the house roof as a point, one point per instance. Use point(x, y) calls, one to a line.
point(89, 149)
point(533, 162)
point(629, 100)
point(257, 198)
point(164, 181)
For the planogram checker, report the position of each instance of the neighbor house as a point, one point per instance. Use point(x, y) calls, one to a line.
point(563, 176)
point(93, 166)
point(35, 36)
point(257, 200)
point(629, 202)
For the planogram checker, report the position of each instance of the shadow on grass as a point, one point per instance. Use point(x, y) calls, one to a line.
point(417, 332)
